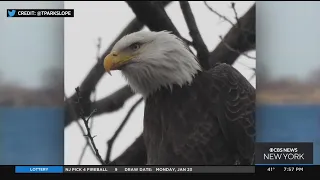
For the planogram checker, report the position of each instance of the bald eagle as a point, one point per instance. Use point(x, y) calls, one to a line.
point(192, 116)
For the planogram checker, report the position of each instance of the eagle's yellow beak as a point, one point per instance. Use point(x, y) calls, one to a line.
point(114, 60)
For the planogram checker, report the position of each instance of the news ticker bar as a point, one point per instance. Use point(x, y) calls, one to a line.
point(258, 169)
point(40, 13)
point(135, 169)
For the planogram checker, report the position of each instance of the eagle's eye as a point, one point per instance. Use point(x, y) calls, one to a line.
point(135, 46)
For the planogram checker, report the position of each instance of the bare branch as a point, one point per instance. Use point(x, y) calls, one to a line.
point(73, 113)
point(251, 68)
point(117, 132)
point(135, 154)
point(218, 14)
point(108, 104)
point(85, 121)
point(233, 6)
point(88, 140)
point(237, 25)
point(199, 45)
point(98, 48)
point(234, 25)
point(83, 151)
point(113, 102)
point(254, 74)
point(241, 41)
point(153, 15)
point(237, 51)
point(189, 43)
point(94, 99)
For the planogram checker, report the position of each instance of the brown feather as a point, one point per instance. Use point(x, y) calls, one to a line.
point(210, 122)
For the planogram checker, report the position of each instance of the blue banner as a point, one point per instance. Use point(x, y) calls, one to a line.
point(39, 169)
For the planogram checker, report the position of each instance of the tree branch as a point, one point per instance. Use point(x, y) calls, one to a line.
point(153, 15)
point(117, 132)
point(86, 123)
point(135, 154)
point(73, 113)
point(234, 50)
point(94, 99)
point(218, 14)
point(237, 39)
point(198, 43)
point(233, 6)
point(108, 104)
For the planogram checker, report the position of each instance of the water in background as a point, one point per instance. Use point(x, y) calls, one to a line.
point(31, 86)
point(288, 73)
point(31, 136)
point(290, 123)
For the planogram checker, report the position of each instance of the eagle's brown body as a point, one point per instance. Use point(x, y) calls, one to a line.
point(192, 117)
point(210, 122)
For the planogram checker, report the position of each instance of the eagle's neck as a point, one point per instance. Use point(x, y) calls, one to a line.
point(151, 75)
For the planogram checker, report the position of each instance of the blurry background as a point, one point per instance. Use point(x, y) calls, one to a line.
point(288, 70)
point(95, 27)
point(31, 86)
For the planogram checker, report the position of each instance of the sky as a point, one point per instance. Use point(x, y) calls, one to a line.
point(290, 47)
point(106, 19)
point(26, 52)
point(29, 48)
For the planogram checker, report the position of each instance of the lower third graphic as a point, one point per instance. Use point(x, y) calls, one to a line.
point(284, 153)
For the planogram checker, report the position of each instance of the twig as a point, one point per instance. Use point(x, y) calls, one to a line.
point(234, 50)
point(254, 73)
point(98, 49)
point(218, 14)
point(87, 142)
point(189, 43)
point(117, 132)
point(85, 121)
point(233, 6)
point(107, 104)
point(253, 69)
point(246, 66)
point(73, 112)
point(86, 145)
point(135, 154)
point(94, 100)
point(237, 39)
point(199, 45)
point(227, 19)
point(238, 23)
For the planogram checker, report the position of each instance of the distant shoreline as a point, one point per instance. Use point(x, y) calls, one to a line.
point(276, 97)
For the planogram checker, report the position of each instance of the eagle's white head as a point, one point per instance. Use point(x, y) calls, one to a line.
point(151, 60)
